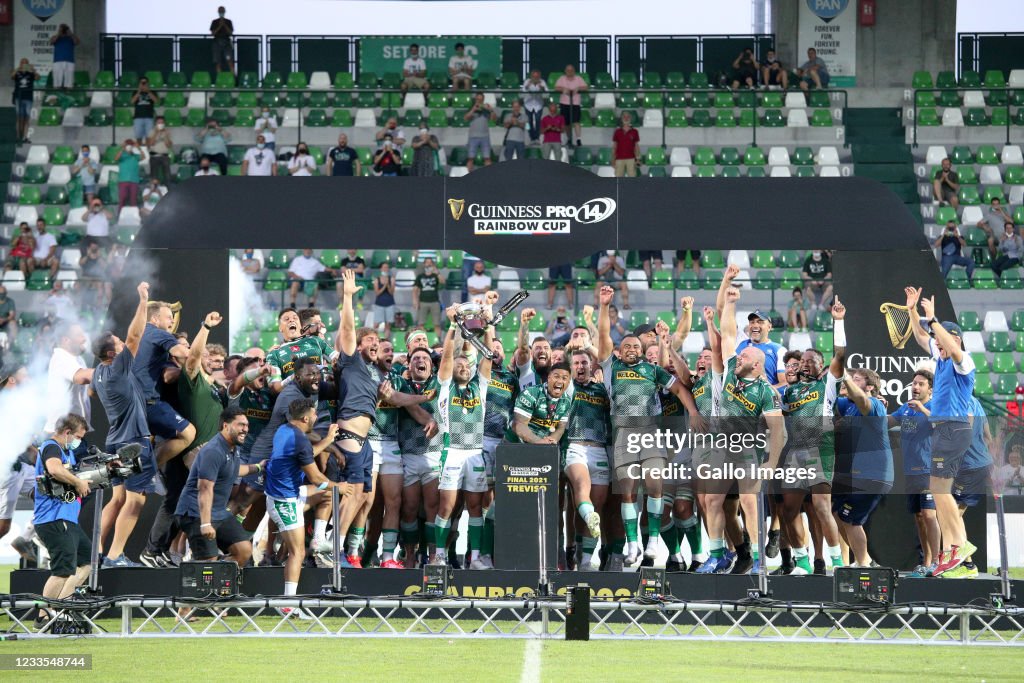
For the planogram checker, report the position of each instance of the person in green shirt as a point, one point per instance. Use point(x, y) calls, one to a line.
point(128, 178)
point(542, 411)
point(426, 298)
point(743, 397)
point(249, 390)
point(201, 399)
point(633, 385)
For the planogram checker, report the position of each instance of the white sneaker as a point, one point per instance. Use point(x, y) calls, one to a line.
point(486, 561)
point(478, 563)
point(615, 563)
point(295, 613)
point(321, 546)
point(324, 560)
point(651, 550)
point(633, 553)
point(586, 564)
point(594, 524)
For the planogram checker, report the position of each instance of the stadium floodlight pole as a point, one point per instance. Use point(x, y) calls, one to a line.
point(542, 540)
point(336, 539)
point(94, 556)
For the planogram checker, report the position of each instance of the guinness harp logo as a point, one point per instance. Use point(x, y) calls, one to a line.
point(176, 311)
point(897, 320)
point(457, 206)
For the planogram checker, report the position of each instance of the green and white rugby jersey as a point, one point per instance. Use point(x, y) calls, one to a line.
point(385, 419)
point(544, 413)
point(746, 399)
point(702, 394)
point(411, 438)
point(633, 389)
point(808, 407)
point(460, 413)
point(589, 419)
point(284, 356)
point(501, 399)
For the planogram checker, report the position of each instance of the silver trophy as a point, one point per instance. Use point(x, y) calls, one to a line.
point(472, 321)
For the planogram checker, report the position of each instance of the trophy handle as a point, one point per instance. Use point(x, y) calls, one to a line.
point(517, 298)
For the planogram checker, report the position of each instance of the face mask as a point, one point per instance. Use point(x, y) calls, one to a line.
point(129, 148)
point(160, 126)
point(74, 444)
point(816, 254)
point(423, 131)
point(266, 114)
point(85, 154)
point(303, 151)
point(260, 145)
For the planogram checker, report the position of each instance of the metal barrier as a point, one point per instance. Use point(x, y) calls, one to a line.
point(529, 618)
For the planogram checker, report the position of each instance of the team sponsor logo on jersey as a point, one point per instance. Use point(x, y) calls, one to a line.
point(544, 422)
point(499, 385)
point(734, 395)
point(631, 375)
point(593, 399)
point(804, 400)
point(468, 404)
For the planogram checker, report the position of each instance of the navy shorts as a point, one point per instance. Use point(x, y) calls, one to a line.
point(164, 421)
point(918, 496)
point(228, 531)
point(950, 441)
point(68, 545)
point(359, 466)
point(649, 255)
point(971, 486)
point(143, 481)
point(563, 273)
point(855, 508)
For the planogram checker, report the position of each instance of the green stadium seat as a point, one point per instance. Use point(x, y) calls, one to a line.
point(924, 98)
point(822, 321)
point(343, 81)
point(273, 80)
point(98, 118)
point(772, 99)
point(945, 79)
point(1006, 385)
point(653, 79)
point(104, 80)
point(969, 195)
point(706, 172)
point(128, 79)
point(49, 117)
point(123, 99)
point(655, 156)
point(63, 155)
point(773, 118)
point(662, 280)
point(39, 281)
point(245, 118)
point(317, 118)
point(278, 259)
point(675, 79)
point(997, 342)
point(510, 79)
point(764, 279)
point(983, 384)
point(367, 80)
point(688, 281)
point(712, 258)
point(962, 154)
point(195, 118)
point(994, 79)
point(724, 118)
point(176, 99)
point(790, 280)
point(342, 118)
point(201, 80)
point(928, 117)
point(984, 278)
point(705, 156)
point(225, 80)
point(1014, 175)
point(754, 156)
point(821, 118)
point(676, 100)
point(970, 79)
point(993, 192)
point(582, 156)
point(957, 279)
point(1003, 362)
point(729, 156)
point(818, 99)
point(1018, 215)
point(223, 117)
point(1011, 279)
point(297, 80)
point(921, 79)
point(185, 172)
point(996, 98)
point(248, 79)
point(123, 118)
point(177, 79)
point(34, 175)
point(723, 100)
point(976, 116)
point(789, 258)
point(222, 99)
point(969, 321)
point(698, 80)
point(30, 195)
point(56, 196)
point(802, 156)
point(676, 118)
point(701, 119)
point(712, 279)
point(980, 362)
point(1017, 321)
point(654, 100)
point(763, 259)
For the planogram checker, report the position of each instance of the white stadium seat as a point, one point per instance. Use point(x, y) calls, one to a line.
point(291, 118)
point(739, 257)
point(457, 171)
point(680, 156)
point(694, 343)
point(795, 100)
point(974, 342)
point(935, 155)
point(320, 80)
point(101, 99)
point(415, 100)
point(197, 100)
point(14, 281)
point(974, 98)
point(606, 171)
point(1016, 78)
point(829, 172)
point(990, 175)
point(953, 118)
point(780, 172)
point(69, 258)
point(778, 156)
point(797, 118)
point(491, 99)
point(971, 215)
point(105, 172)
point(38, 154)
point(69, 278)
point(129, 217)
point(1016, 194)
point(828, 156)
point(681, 172)
point(76, 217)
point(405, 277)
point(604, 100)
point(365, 118)
point(1012, 155)
point(508, 280)
point(59, 175)
point(637, 280)
point(653, 118)
point(74, 117)
point(995, 321)
point(800, 341)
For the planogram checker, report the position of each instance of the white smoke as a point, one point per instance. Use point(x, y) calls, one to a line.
point(245, 301)
point(24, 408)
point(926, 364)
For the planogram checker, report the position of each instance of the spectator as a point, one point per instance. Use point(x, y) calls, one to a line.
point(95, 274)
point(479, 116)
point(414, 71)
point(425, 159)
point(117, 257)
point(798, 308)
point(302, 163)
point(397, 135)
point(559, 328)
point(151, 196)
point(946, 185)
point(343, 160)
point(20, 251)
point(128, 177)
point(745, 69)
point(24, 78)
point(1010, 475)
point(258, 160)
point(813, 72)
point(426, 296)
point(8, 316)
point(650, 258)
point(533, 102)
point(515, 132)
point(993, 223)
point(97, 223)
point(266, 125)
point(45, 253)
point(552, 126)
point(817, 277)
point(205, 169)
point(144, 100)
point(222, 30)
point(773, 73)
point(561, 273)
point(252, 261)
point(353, 261)
point(1010, 251)
point(87, 170)
point(213, 144)
point(611, 271)
point(479, 283)
point(58, 305)
point(626, 147)
point(681, 261)
point(570, 85)
point(618, 330)
point(460, 68)
point(302, 272)
point(160, 147)
point(387, 161)
point(951, 244)
point(64, 42)
point(384, 298)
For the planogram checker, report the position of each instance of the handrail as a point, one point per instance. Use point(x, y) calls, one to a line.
point(959, 89)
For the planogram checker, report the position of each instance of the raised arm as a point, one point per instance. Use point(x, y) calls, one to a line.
point(684, 324)
point(138, 324)
point(730, 274)
point(714, 340)
point(951, 344)
point(444, 370)
point(588, 321)
point(857, 395)
point(727, 319)
point(484, 368)
point(194, 362)
point(605, 346)
point(920, 335)
point(838, 365)
point(522, 355)
point(346, 340)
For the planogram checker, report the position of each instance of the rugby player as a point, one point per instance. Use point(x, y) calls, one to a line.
point(461, 404)
point(759, 326)
point(532, 359)
point(950, 417)
point(971, 482)
point(916, 447)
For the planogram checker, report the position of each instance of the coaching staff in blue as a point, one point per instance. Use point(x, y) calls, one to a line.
point(951, 422)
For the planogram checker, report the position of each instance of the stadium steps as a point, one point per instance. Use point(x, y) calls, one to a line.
point(7, 147)
point(879, 151)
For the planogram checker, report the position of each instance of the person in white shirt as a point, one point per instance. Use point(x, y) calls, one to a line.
point(58, 305)
point(533, 102)
point(414, 71)
point(302, 164)
point(151, 196)
point(479, 282)
point(67, 377)
point(259, 161)
point(303, 271)
point(266, 125)
point(97, 223)
point(1011, 476)
point(45, 254)
point(205, 169)
point(460, 68)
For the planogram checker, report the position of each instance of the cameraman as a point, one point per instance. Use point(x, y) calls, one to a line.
point(56, 521)
point(951, 244)
point(745, 69)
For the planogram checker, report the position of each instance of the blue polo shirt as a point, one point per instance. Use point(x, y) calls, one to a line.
point(292, 452)
point(977, 455)
point(47, 508)
point(866, 442)
point(152, 358)
point(915, 439)
point(954, 387)
point(217, 462)
point(774, 354)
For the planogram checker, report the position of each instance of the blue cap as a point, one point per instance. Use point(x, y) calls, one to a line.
point(952, 328)
point(758, 315)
